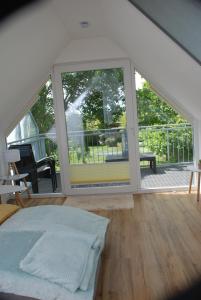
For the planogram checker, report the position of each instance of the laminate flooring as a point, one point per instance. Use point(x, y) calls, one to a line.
point(153, 250)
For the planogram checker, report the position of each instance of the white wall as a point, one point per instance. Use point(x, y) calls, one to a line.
point(90, 49)
point(29, 45)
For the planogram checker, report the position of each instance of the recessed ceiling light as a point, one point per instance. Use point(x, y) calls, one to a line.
point(84, 24)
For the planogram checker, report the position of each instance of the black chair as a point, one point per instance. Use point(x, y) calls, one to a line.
point(36, 169)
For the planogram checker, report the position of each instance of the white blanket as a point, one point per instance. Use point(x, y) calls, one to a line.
point(45, 218)
point(63, 257)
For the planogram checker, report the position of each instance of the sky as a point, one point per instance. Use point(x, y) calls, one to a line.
point(139, 80)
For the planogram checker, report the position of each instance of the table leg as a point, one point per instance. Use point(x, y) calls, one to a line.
point(18, 199)
point(28, 192)
point(198, 190)
point(190, 183)
point(154, 165)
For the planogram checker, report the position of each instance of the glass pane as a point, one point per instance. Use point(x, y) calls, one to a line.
point(95, 112)
point(165, 140)
point(37, 128)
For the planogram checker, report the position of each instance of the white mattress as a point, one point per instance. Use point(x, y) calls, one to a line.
point(44, 218)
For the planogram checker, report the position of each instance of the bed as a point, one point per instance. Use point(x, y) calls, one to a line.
point(50, 252)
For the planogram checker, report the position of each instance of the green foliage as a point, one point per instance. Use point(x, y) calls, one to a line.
point(43, 113)
point(113, 139)
point(169, 144)
point(123, 120)
point(103, 93)
point(92, 110)
point(104, 107)
point(43, 109)
point(152, 110)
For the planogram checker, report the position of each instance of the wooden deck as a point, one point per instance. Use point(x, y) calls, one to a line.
point(153, 250)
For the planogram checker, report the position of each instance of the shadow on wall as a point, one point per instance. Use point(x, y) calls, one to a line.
point(8, 10)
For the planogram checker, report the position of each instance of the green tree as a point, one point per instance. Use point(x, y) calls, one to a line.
point(102, 92)
point(99, 95)
point(43, 109)
point(152, 110)
point(43, 113)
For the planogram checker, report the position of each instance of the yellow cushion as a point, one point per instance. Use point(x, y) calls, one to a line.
point(7, 210)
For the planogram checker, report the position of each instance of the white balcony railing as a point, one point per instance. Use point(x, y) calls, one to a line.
point(170, 144)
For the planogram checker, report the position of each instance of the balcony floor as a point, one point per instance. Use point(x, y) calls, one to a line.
point(166, 176)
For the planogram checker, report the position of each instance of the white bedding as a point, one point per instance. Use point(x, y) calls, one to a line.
point(62, 257)
point(49, 218)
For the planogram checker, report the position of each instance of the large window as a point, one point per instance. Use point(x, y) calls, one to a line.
point(37, 128)
point(95, 113)
point(165, 140)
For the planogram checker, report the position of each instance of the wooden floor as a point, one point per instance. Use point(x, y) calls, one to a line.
point(152, 250)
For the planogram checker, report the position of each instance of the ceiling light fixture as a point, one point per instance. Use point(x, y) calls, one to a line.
point(84, 24)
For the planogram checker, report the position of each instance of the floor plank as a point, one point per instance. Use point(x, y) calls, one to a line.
point(153, 250)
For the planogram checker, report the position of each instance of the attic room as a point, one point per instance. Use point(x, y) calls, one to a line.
point(100, 150)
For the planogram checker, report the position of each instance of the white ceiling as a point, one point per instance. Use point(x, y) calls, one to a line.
point(72, 12)
point(29, 44)
point(32, 43)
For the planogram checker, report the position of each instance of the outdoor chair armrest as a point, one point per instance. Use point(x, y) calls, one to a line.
point(50, 163)
point(45, 161)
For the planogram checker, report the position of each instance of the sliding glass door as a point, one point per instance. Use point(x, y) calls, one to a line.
point(96, 132)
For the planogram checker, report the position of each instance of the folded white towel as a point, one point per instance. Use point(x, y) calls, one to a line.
point(93, 257)
point(63, 257)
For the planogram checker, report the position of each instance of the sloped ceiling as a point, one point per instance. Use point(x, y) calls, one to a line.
point(30, 45)
point(180, 19)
